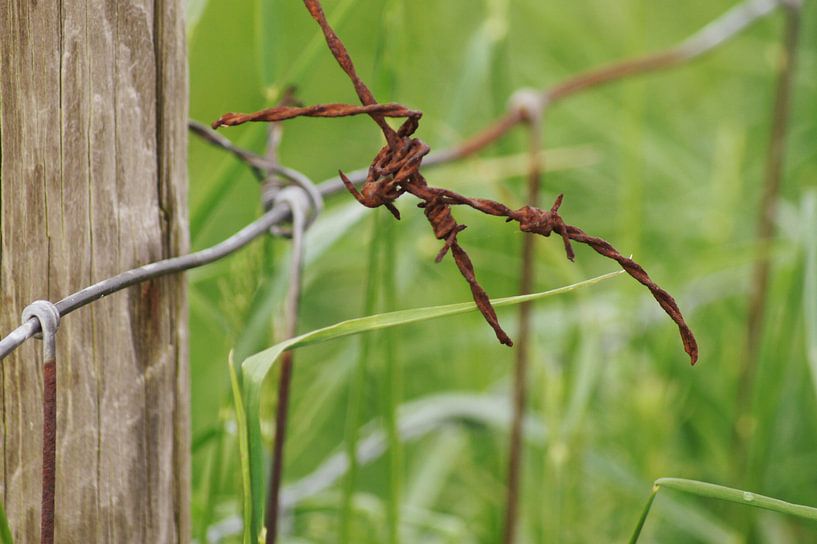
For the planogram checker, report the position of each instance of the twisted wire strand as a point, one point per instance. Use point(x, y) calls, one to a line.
point(395, 170)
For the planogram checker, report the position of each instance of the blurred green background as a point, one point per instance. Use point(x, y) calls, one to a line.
point(668, 167)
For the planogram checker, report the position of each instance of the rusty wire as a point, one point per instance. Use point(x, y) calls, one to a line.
point(395, 170)
point(695, 46)
point(522, 359)
point(48, 316)
point(299, 203)
point(282, 113)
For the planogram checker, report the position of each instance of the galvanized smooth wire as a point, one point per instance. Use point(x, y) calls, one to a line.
point(298, 202)
point(263, 166)
point(121, 281)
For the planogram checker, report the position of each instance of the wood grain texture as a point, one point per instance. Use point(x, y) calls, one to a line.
point(93, 110)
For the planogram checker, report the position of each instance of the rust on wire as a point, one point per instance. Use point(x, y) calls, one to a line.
point(300, 204)
point(48, 316)
point(395, 170)
point(273, 115)
point(49, 451)
point(345, 61)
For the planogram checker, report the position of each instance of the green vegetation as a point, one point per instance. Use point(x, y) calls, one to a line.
point(667, 167)
point(5, 530)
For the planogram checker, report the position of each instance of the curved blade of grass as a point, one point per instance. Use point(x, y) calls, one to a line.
point(256, 367)
point(644, 513)
point(248, 379)
point(729, 494)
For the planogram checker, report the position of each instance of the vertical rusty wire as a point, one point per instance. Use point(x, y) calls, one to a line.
point(533, 118)
point(49, 450)
point(745, 425)
point(281, 414)
point(299, 204)
point(49, 318)
point(771, 188)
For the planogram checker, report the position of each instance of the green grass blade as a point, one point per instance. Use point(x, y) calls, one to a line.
point(5, 530)
point(356, 390)
point(478, 59)
point(644, 514)
point(810, 280)
point(210, 489)
point(714, 491)
point(392, 390)
point(388, 63)
point(256, 367)
point(250, 519)
point(722, 493)
point(330, 227)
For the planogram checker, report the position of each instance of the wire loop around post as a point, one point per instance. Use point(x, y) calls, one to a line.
point(305, 205)
point(49, 317)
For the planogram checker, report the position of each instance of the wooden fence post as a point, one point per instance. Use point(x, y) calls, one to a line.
point(93, 112)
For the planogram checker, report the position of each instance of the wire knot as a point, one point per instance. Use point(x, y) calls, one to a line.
point(545, 222)
point(46, 313)
point(305, 206)
point(392, 166)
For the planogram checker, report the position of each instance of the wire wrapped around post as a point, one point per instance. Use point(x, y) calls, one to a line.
point(48, 317)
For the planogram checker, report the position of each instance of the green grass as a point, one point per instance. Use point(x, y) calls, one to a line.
point(669, 167)
point(357, 386)
point(5, 530)
point(248, 379)
point(719, 492)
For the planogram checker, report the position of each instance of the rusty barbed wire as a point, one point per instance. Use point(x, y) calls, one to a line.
point(395, 170)
point(283, 113)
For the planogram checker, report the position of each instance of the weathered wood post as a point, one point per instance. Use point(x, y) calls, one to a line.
point(93, 107)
